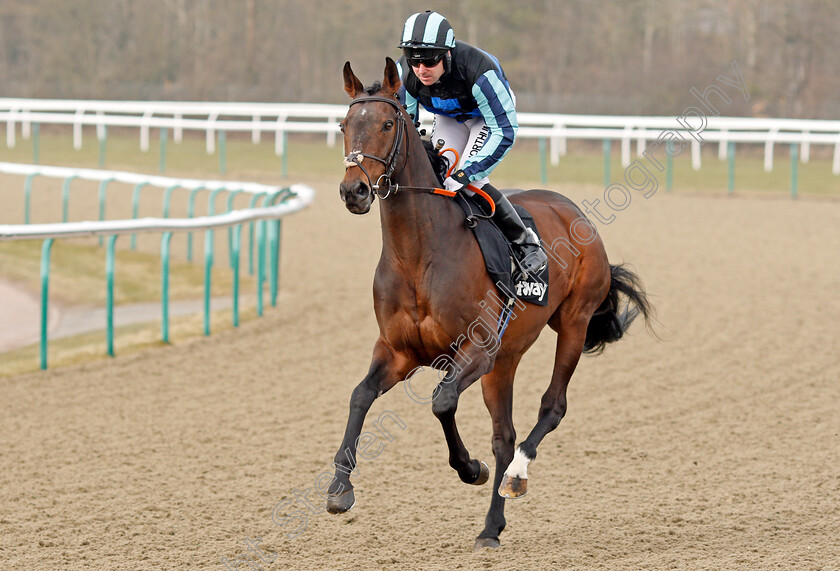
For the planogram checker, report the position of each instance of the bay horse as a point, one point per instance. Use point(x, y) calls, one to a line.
point(431, 284)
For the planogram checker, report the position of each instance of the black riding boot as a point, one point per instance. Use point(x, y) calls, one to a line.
point(526, 245)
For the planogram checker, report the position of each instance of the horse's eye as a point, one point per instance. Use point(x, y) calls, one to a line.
point(341, 126)
point(387, 126)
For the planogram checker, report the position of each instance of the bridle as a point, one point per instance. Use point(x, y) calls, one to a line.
point(354, 159)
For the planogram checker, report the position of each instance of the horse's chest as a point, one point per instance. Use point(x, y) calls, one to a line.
point(424, 334)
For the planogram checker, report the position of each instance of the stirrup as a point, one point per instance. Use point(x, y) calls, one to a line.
point(533, 259)
point(531, 262)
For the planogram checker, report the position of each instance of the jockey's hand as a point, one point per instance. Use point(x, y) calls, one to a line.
point(456, 181)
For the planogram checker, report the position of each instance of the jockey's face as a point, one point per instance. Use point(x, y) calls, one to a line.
point(428, 75)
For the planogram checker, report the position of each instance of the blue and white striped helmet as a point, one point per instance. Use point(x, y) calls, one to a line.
point(427, 30)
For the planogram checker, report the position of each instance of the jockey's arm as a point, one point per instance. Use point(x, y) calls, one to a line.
point(496, 105)
point(405, 97)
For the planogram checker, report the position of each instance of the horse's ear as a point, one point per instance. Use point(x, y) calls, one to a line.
point(352, 85)
point(391, 83)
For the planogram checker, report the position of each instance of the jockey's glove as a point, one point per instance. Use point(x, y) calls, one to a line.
point(456, 181)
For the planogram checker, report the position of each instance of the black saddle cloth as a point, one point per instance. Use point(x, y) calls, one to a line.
point(497, 253)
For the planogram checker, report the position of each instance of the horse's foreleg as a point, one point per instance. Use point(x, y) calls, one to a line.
point(386, 370)
point(497, 388)
point(445, 404)
point(552, 409)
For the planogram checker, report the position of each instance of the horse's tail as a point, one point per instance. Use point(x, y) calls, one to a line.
point(625, 300)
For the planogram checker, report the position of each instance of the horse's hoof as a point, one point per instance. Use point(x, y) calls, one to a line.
point(342, 502)
point(483, 475)
point(486, 543)
point(512, 488)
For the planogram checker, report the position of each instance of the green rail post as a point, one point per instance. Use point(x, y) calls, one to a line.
point(27, 196)
point(543, 162)
point(45, 296)
point(284, 160)
point(730, 153)
point(191, 214)
point(260, 265)
point(230, 229)
point(65, 197)
point(167, 199)
point(275, 261)
point(102, 143)
point(794, 168)
point(208, 267)
point(135, 209)
point(222, 152)
point(234, 255)
point(162, 159)
point(252, 204)
point(273, 229)
point(36, 143)
point(607, 145)
point(109, 301)
point(165, 240)
point(211, 211)
point(103, 186)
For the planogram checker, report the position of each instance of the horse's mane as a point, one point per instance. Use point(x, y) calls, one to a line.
point(440, 164)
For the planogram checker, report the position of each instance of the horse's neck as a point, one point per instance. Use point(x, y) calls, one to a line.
point(414, 223)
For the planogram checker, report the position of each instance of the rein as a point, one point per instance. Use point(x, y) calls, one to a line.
point(354, 159)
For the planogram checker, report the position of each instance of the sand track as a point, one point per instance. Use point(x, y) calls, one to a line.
point(717, 447)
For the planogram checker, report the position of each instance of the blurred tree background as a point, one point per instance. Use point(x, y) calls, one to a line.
point(600, 56)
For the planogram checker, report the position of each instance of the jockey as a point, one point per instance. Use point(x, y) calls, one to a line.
point(474, 116)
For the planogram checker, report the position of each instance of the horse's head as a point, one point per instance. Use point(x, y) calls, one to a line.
point(374, 132)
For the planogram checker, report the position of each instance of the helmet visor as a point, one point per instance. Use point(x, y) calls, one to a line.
point(429, 57)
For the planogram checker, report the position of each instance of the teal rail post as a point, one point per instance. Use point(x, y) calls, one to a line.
point(165, 240)
point(234, 256)
point(230, 229)
point(102, 144)
point(284, 160)
point(669, 165)
point(109, 302)
point(135, 209)
point(36, 143)
point(45, 296)
point(607, 145)
point(222, 152)
point(252, 204)
point(730, 153)
point(208, 259)
point(65, 197)
point(208, 267)
point(275, 260)
point(543, 162)
point(167, 199)
point(162, 159)
point(273, 237)
point(190, 214)
point(27, 196)
point(260, 265)
point(794, 167)
point(103, 186)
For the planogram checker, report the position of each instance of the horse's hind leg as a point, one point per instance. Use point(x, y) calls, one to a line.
point(571, 334)
point(497, 388)
point(445, 403)
point(386, 370)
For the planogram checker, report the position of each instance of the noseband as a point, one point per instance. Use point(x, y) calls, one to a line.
point(354, 159)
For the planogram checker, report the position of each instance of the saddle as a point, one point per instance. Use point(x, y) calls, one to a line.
point(498, 256)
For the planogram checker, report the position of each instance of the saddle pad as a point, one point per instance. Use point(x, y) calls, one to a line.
point(497, 253)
